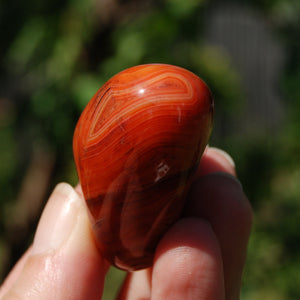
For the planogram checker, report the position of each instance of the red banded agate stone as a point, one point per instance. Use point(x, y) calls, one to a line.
point(136, 147)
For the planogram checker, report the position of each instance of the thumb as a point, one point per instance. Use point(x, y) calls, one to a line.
point(63, 262)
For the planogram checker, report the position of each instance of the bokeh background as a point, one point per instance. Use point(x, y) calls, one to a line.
point(55, 54)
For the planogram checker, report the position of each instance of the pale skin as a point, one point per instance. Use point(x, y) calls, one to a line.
point(202, 256)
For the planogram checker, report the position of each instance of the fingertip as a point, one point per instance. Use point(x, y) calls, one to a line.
point(188, 263)
point(220, 199)
point(218, 194)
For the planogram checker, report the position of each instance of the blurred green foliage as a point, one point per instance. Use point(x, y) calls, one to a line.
point(54, 55)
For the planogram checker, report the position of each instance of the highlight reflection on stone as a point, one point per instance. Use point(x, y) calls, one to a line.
point(136, 147)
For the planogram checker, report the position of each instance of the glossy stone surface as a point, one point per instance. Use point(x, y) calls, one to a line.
point(136, 147)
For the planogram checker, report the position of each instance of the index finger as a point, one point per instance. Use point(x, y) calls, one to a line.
point(217, 196)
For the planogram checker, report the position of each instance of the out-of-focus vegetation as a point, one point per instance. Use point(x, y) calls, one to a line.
point(54, 55)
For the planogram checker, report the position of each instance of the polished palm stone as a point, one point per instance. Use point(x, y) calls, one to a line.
point(136, 147)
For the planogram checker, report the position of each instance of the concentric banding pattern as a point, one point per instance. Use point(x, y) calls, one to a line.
point(153, 91)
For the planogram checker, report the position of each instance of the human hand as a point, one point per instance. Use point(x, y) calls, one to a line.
point(201, 257)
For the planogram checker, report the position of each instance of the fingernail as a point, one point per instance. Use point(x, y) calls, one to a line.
point(225, 155)
point(58, 219)
point(224, 160)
